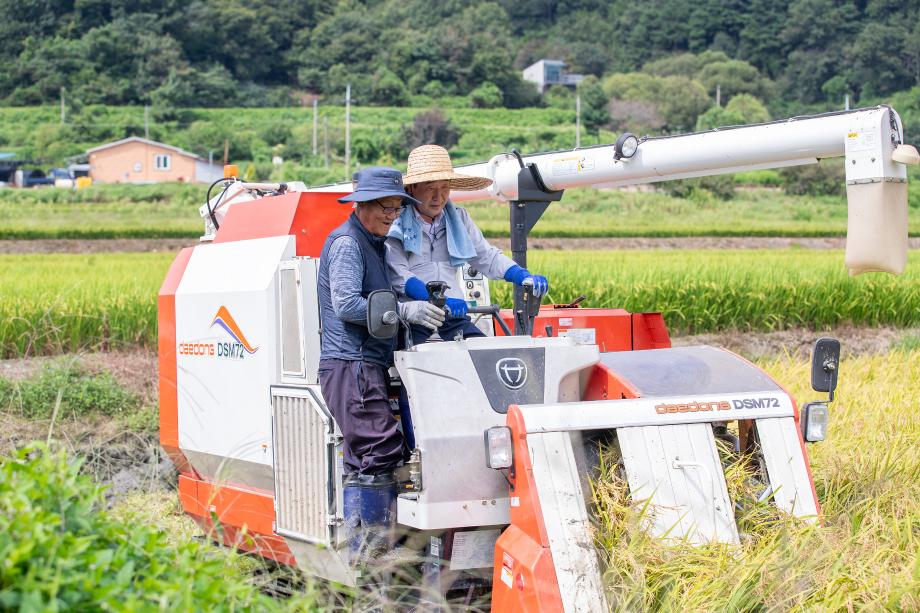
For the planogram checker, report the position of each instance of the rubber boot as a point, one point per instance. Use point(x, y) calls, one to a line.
point(378, 514)
point(351, 508)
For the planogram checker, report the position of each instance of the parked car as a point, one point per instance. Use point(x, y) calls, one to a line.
point(31, 177)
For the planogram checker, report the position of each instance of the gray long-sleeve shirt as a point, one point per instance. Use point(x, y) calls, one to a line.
point(345, 284)
point(433, 263)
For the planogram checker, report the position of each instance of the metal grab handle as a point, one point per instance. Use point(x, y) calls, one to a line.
point(679, 464)
point(492, 310)
point(271, 187)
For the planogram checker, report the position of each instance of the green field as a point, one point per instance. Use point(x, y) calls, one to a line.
point(60, 303)
point(256, 134)
point(171, 211)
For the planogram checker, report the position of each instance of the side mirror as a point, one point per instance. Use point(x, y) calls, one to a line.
point(825, 362)
point(382, 314)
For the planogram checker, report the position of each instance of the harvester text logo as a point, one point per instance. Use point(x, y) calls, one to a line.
point(237, 348)
point(512, 372)
point(719, 405)
point(692, 407)
point(756, 403)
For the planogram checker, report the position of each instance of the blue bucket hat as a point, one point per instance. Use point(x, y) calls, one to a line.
point(378, 182)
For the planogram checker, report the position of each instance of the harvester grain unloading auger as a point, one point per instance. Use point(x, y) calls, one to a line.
point(243, 417)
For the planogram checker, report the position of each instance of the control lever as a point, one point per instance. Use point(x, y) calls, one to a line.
point(531, 308)
point(437, 293)
point(494, 311)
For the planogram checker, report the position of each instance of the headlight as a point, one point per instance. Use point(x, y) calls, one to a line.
point(814, 422)
point(499, 452)
point(626, 146)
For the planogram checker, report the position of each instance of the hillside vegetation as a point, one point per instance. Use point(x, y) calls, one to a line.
point(175, 53)
point(442, 72)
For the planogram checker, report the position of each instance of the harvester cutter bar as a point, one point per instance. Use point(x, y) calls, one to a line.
point(670, 457)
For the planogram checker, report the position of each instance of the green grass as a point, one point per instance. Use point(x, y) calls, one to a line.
point(865, 557)
point(171, 211)
point(79, 393)
point(65, 303)
point(168, 210)
point(62, 550)
point(908, 342)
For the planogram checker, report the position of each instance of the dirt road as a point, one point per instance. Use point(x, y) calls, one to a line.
point(565, 244)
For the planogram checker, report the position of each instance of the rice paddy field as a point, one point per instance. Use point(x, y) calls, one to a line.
point(867, 473)
point(63, 303)
point(171, 211)
point(864, 557)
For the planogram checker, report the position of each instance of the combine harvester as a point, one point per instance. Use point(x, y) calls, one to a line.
point(506, 426)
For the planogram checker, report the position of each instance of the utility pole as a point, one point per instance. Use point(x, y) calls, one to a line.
point(577, 120)
point(718, 94)
point(326, 142)
point(315, 123)
point(63, 108)
point(348, 132)
point(147, 121)
point(846, 102)
point(226, 151)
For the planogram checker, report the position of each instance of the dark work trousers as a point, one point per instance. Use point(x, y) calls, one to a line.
point(448, 330)
point(356, 393)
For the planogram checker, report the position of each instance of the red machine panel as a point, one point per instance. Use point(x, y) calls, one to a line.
point(309, 216)
point(610, 329)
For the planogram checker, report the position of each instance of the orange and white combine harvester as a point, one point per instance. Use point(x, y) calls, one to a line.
point(259, 454)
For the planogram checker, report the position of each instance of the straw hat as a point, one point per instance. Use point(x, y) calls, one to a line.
point(432, 163)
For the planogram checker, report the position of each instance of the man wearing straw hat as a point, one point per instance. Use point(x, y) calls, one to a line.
point(353, 364)
point(431, 239)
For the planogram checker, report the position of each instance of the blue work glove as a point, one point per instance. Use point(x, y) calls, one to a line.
point(456, 307)
point(522, 276)
point(415, 289)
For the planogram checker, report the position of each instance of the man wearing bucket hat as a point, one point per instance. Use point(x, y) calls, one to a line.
point(431, 239)
point(353, 365)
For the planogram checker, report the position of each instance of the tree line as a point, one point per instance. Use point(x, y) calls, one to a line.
point(263, 53)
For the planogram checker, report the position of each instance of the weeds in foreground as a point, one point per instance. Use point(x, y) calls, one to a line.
point(66, 385)
point(62, 550)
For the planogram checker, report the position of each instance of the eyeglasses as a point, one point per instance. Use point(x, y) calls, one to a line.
point(392, 211)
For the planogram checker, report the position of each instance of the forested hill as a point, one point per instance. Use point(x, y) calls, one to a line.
point(272, 52)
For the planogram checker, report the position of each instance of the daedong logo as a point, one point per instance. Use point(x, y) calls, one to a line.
point(235, 349)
